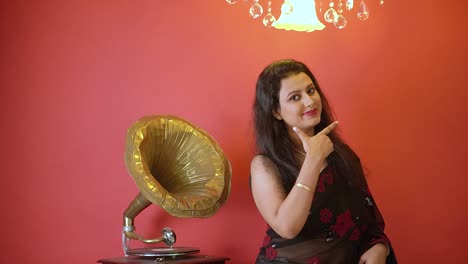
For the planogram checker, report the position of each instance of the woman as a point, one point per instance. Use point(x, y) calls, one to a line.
point(307, 183)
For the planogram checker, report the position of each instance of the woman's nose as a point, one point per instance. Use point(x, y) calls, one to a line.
point(308, 101)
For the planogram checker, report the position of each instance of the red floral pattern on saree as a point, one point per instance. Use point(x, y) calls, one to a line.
point(326, 177)
point(355, 235)
point(343, 223)
point(326, 215)
point(271, 253)
point(313, 260)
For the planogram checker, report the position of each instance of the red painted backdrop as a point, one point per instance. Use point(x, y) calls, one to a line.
point(76, 74)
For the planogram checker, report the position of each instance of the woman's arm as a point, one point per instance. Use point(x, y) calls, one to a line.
point(377, 238)
point(287, 213)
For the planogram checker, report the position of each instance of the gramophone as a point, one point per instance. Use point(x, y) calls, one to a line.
point(179, 167)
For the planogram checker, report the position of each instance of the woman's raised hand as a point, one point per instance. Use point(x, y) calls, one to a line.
point(320, 145)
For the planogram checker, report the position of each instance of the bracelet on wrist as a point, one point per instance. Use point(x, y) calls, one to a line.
point(303, 186)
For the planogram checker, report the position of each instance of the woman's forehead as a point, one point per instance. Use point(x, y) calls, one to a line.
point(295, 81)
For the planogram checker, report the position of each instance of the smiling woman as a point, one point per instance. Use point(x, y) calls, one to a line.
point(300, 104)
point(307, 184)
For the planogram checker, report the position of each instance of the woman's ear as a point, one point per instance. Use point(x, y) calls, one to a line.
point(277, 115)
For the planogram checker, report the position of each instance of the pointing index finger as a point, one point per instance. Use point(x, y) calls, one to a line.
point(329, 128)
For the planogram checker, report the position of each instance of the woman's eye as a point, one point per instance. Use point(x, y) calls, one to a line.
point(294, 98)
point(311, 90)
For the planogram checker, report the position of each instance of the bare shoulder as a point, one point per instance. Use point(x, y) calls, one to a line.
point(266, 183)
point(261, 163)
point(264, 170)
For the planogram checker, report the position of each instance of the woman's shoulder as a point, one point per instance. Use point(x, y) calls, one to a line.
point(263, 163)
point(263, 169)
point(260, 158)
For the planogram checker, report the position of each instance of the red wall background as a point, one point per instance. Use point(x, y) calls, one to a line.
point(76, 74)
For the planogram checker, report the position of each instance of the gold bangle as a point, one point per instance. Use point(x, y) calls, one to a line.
point(303, 186)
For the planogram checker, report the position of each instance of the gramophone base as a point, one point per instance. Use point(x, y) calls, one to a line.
point(162, 251)
point(190, 259)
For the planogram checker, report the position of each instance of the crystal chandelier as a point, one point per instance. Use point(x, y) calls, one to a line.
point(301, 15)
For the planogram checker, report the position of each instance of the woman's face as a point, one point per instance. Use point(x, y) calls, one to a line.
point(299, 103)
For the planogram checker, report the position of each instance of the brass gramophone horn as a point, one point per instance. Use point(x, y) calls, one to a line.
point(177, 166)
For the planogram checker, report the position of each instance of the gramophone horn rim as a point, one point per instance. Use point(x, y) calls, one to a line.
point(152, 190)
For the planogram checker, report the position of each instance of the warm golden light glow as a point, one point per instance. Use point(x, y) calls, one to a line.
point(301, 17)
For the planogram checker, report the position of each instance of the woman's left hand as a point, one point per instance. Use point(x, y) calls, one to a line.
point(375, 255)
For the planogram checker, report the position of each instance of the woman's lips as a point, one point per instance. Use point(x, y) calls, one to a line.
point(311, 112)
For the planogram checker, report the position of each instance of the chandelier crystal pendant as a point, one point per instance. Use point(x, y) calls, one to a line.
point(301, 15)
point(256, 10)
point(269, 19)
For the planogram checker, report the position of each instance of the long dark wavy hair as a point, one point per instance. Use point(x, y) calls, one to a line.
point(272, 138)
